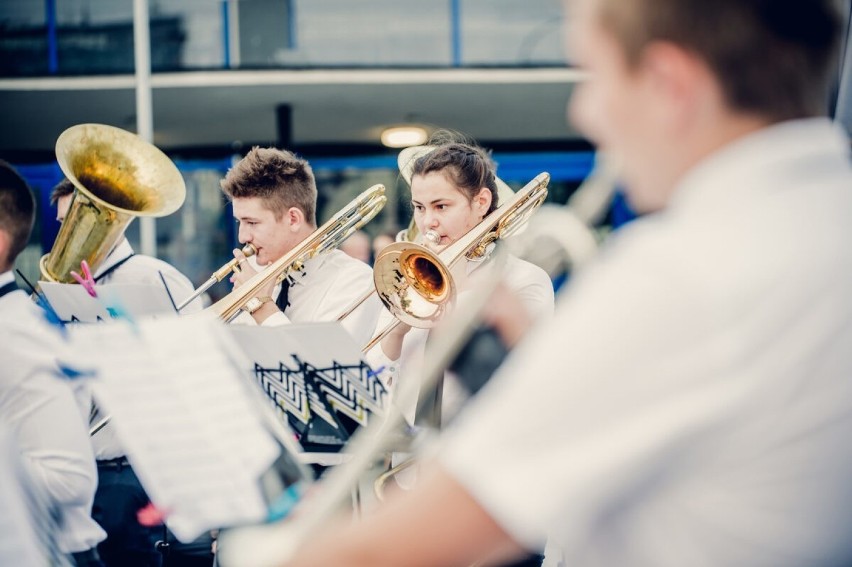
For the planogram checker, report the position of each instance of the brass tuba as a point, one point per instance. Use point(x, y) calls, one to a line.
point(117, 176)
point(353, 216)
point(416, 284)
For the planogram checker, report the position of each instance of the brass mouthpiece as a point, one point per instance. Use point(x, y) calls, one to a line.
point(432, 237)
point(234, 265)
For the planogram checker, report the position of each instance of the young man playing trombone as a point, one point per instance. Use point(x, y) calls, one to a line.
point(274, 196)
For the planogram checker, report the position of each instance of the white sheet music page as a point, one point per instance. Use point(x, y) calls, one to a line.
point(74, 305)
point(184, 414)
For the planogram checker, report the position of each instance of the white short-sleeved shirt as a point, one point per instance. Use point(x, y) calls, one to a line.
point(691, 401)
point(42, 412)
point(142, 269)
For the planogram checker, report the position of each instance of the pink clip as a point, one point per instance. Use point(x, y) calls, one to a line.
point(86, 280)
point(151, 516)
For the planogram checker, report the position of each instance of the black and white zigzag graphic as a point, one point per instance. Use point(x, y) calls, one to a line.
point(352, 390)
point(286, 388)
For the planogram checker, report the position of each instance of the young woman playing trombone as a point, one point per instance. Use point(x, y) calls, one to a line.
point(453, 188)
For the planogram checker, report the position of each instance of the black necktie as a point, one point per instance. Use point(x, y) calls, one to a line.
point(283, 301)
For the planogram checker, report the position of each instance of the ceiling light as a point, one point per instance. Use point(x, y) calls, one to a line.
point(404, 136)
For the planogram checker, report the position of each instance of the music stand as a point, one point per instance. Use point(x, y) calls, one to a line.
point(315, 377)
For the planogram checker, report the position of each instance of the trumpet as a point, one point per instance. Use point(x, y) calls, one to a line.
point(233, 266)
point(353, 216)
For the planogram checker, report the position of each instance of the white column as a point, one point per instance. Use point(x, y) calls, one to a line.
point(144, 107)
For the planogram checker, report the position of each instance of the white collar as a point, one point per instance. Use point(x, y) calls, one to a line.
point(6, 277)
point(120, 251)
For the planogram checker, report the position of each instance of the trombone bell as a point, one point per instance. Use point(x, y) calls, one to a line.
point(413, 283)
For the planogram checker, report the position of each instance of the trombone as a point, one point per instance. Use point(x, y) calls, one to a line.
point(353, 216)
point(431, 236)
point(234, 265)
point(416, 285)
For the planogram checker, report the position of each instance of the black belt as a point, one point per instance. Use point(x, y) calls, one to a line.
point(117, 463)
point(87, 558)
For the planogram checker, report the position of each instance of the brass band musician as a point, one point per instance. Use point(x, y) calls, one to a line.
point(453, 187)
point(273, 193)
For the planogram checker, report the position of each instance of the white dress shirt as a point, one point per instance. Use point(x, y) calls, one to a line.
point(531, 284)
point(40, 409)
point(691, 401)
point(327, 286)
point(146, 270)
point(28, 530)
point(139, 269)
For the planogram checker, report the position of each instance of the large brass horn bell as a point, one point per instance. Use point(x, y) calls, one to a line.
point(117, 176)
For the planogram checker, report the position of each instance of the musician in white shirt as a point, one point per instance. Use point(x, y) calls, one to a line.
point(273, 193)
point(36, 403)
point(453, 187)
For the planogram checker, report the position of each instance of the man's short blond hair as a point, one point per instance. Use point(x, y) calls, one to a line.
point(278, 177)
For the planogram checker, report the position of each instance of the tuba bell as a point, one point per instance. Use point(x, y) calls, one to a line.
point(117, 176)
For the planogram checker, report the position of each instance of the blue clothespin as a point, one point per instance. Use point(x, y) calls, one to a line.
point(86, 280)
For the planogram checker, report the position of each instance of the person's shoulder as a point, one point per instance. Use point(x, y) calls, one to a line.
point(143, 260)
point(24, 330)
point(522, 273)
point(18, 311)
point(521, 266)
point(148, 269)
point(346, 264)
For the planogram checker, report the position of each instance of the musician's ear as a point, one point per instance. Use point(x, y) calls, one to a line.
point(482, 201)
point(295, 218)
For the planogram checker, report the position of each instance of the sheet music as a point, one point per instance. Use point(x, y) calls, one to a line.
point(73, 304)
point(185, 416)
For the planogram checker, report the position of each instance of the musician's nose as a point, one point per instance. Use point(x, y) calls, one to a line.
point(430, 219)
point(244, 234)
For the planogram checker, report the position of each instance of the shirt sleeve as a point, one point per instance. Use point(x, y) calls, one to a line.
point(52, 435)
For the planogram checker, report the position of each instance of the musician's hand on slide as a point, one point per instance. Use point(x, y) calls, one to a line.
point(507, 315)
point(243, 272)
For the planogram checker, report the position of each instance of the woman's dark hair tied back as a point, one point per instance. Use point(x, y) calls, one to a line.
point(468, 166)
